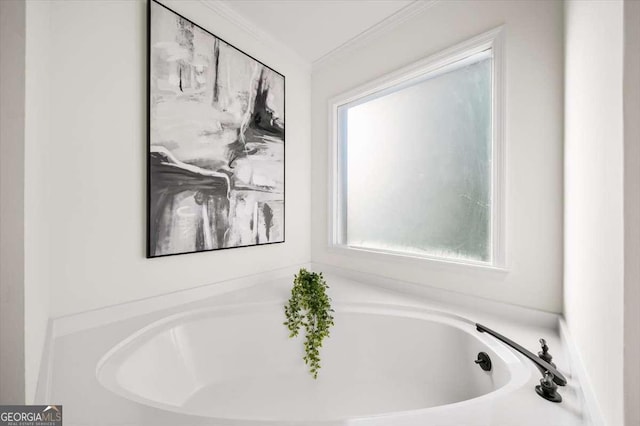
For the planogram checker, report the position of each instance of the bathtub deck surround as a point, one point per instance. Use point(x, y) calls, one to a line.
point(378, 366)
point(310, 307)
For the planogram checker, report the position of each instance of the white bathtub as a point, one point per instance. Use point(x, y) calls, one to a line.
point(382, 365)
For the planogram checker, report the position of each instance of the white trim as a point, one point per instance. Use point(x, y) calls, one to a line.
point(586, 397)
point(377, 30)
point(493, 39)
point(499, 147)
point(415, 259)
point(430, 72)
point(223, 8)
point(225, 11)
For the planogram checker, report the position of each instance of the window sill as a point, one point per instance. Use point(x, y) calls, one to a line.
point(417, 260)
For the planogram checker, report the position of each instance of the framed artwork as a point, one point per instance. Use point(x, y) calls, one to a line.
point(216, 141)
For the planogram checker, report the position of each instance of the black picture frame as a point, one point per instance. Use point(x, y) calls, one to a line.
point(151, 242)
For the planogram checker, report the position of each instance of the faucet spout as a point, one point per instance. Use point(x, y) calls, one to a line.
point(542, 365)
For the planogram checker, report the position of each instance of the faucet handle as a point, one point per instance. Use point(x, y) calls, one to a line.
point(544, 353)
point(548, 389)
point(543, 344)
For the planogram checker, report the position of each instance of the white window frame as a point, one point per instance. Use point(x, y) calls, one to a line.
point(494, 40)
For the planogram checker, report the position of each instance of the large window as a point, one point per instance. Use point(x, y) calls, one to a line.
point(417, 160)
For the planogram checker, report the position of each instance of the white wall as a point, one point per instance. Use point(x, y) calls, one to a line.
point(631, 212)
point(12, 118)
point(594, 228)
point(94, 179)
point(534, 117)
point(37, 226)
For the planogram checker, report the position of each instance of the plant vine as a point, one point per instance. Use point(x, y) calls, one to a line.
point(310, 307)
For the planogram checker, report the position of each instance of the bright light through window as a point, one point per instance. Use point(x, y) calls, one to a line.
point(416, 165)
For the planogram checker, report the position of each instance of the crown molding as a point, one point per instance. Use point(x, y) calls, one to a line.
point(376, 30)
point(224, 10)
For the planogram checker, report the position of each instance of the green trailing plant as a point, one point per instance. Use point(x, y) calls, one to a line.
point(310, 307)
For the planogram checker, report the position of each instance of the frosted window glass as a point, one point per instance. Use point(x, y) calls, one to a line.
point(417, 172)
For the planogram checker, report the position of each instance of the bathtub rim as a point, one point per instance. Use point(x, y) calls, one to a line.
point(517, 366)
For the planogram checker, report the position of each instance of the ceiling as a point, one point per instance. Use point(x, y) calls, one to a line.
point(313, 28)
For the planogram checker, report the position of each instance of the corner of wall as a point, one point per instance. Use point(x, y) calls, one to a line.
point(632, 211)
point(594, 238)
point(12, 258)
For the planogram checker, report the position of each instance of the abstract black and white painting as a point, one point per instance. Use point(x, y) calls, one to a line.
point(216, 141)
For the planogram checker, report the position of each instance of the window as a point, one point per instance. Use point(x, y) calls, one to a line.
point(417, 160)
